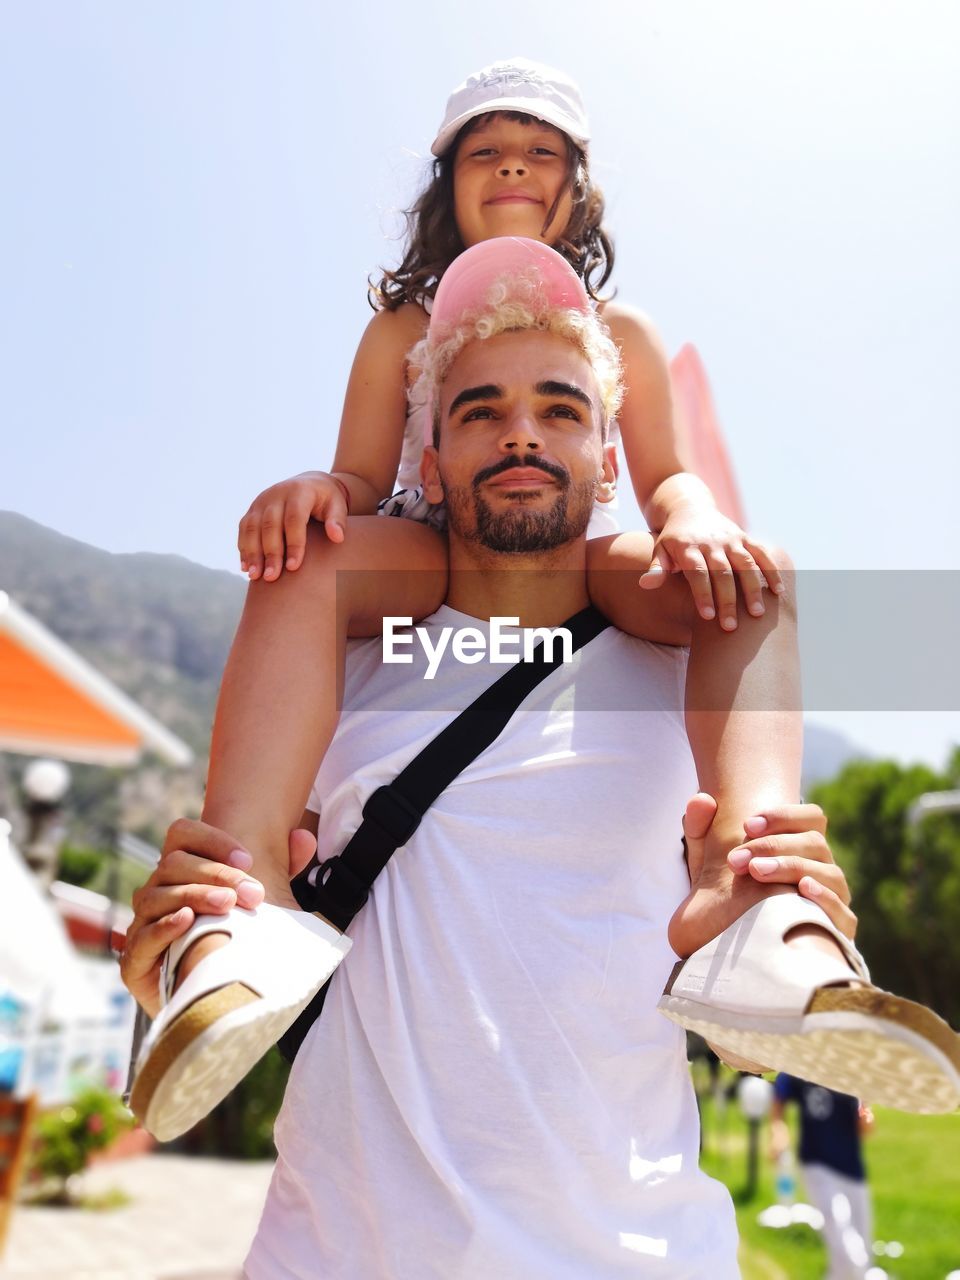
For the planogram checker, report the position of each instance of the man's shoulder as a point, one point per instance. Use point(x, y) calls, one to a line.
point(624, 656)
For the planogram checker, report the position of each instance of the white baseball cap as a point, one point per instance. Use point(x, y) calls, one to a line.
point(516, 85)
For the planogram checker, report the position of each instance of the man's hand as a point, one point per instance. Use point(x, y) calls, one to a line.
point(273, 533)
point(714, 555)
point(788, 845)
point(202, 871)
point(784, 846)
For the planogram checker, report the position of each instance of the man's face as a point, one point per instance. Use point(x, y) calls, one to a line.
point(521, 458)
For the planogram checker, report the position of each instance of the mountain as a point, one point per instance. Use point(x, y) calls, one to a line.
point(825, 752)
point(159, 626)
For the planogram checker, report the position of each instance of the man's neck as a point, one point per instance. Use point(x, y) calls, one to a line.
point(542, 589)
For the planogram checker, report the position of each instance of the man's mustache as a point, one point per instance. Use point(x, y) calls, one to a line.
point(513, 460)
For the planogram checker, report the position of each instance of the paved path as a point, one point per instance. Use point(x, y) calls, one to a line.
point(189, 1218)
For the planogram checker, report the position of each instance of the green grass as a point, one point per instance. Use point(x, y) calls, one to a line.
point(914, 1172)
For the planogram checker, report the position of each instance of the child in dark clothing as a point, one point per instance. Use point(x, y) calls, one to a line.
point(831, 1126)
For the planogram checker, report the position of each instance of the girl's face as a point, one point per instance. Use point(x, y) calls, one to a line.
point(506, 177)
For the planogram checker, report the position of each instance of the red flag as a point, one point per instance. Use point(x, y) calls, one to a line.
point(702, 446)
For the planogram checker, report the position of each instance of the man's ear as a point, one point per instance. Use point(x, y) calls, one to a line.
point(607, 487)
point(430, 474)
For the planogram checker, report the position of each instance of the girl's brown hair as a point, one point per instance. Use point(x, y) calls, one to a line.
point(433, 240)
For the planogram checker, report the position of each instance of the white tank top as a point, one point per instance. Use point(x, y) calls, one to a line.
point(490, 1091)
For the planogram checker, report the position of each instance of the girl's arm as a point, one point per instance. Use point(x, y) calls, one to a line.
point(375, 408)
point(272, 534)
point(646, 419)
point(692, 535)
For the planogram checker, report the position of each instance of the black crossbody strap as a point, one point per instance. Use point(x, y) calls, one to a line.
point(339, 887)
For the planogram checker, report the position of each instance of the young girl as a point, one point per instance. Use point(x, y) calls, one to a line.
point(511, 162)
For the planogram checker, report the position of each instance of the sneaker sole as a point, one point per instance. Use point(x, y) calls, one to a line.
point(204, 1054)
point(868, 1043)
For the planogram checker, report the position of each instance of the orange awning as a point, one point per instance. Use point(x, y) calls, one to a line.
point(53, 702)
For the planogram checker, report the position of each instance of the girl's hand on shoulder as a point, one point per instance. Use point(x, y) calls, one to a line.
point(273, 534)
point(715, 556)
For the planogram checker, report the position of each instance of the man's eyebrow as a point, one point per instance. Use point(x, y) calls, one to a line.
point(489, 391)
point(567, 389)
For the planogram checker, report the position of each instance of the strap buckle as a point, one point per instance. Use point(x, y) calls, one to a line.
point(393, 813)
point(338, 891)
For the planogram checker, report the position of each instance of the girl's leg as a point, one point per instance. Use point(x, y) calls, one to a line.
point(277, 711)
point(280, 697)
point(743, 716)
point(745, 726)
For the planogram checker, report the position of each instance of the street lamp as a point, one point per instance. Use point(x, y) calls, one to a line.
point(45, 783)
point(932, 802)
point(755, 1096)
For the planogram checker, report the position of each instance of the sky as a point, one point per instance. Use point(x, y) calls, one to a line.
point(194, 196)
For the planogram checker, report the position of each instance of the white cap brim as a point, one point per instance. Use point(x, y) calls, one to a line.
point(540, 109)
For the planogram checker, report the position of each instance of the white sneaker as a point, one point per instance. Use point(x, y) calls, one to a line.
point(801, 1011)
point(234, 1004)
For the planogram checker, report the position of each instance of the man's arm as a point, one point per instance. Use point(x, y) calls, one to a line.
point(614, 565)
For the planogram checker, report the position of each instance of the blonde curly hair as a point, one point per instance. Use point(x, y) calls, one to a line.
point(515, 304)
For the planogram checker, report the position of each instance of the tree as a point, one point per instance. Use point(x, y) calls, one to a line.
point(906, 885)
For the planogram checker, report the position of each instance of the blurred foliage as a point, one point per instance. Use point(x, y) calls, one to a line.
point(242, 1125)
point(101, 871)
point(79, 865)
point(67, 1138)
point(906, 884)
point(116, 878)
point(93, 801)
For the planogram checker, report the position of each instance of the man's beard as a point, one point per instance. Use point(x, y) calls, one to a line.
point(521, 529)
